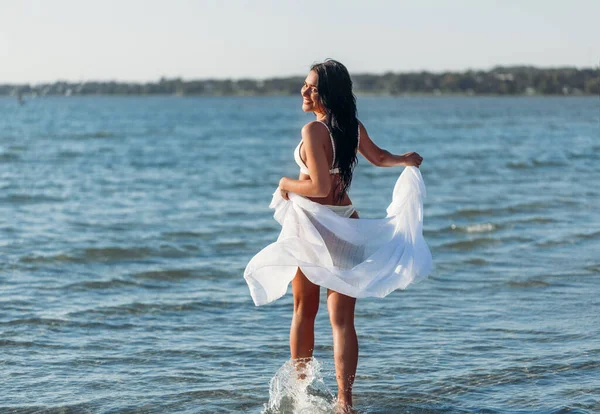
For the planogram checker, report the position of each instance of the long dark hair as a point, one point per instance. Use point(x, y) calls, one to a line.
point(335, 93)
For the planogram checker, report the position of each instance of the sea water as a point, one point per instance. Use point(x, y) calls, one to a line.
point(126, 224)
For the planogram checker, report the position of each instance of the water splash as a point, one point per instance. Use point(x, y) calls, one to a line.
point(298, 387)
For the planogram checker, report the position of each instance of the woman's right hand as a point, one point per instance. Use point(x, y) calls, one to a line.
point(412, 159)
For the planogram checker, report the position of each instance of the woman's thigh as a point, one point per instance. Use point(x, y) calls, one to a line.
point(341, 307)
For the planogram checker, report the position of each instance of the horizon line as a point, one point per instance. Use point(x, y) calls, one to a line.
point(230, 78)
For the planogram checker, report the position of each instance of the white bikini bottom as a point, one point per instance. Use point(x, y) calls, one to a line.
point(344, 211)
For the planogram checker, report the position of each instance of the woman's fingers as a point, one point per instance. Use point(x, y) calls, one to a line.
point(416, 159)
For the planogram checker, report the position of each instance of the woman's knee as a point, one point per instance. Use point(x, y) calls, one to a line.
point(341, 319)
point(306, 297)
point(306, 308)
point(341, 309)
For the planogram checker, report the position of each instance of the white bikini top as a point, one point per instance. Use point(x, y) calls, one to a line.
point(302, 165)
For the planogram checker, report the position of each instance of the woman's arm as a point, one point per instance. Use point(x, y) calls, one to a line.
point(319, 183)
point(383, 158)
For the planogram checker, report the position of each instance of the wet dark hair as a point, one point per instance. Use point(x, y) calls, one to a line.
point(335, 93)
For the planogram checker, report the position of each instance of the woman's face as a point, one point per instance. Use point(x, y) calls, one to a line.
point(310, 95)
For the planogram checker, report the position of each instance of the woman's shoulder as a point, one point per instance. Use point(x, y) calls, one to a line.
point(315, 131)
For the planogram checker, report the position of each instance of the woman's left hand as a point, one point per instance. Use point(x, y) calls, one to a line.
point(282, 190)
point(412, 159)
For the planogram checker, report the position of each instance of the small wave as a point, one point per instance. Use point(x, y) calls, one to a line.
point(176, 235)
point(17, 344)
point(475, 228)
point(559, 338)
point(570, 239)
point(30, 199)
point(518, 165)
point(82, 407)
point(9, 157)
point(203, 273)
point(476, 261)
point(589, 236)
point(501, 211)
point(457, 125)
point(29, 344)
point(226, 245)
point(537, 220)
point(58, 258)
point(583, 155)
point(519, 331)
point(99, 284)
point(552, 243)
point(92, 255)
point(93, 135)
point(142, 308)
point(474, 243)
point(153, 164)
point(60, 323)
point(250, 227)
point(511, 375)
point(65, 155)
point(549, 163)
point(108, 254)
point(169, 274)
point(471, 244)
point(531, 283)
point(245, 184)
point(36, 321)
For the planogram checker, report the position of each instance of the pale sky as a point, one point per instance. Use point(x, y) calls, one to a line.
point(142, 40)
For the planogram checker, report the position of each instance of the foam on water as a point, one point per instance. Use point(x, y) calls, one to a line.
point(475, 228)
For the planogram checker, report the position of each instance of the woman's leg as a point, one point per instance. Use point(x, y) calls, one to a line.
point(306, 305)
point(345, 343)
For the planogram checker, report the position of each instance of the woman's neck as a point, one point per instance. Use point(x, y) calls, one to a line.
point(321, 117)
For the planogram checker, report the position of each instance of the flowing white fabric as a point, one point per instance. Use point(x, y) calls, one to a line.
point(355, 257)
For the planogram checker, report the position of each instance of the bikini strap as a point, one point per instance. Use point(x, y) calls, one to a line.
point(332, 143)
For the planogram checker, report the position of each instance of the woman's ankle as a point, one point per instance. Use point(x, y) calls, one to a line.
point(301, 365)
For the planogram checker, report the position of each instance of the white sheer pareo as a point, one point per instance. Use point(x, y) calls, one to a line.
point(356, 257)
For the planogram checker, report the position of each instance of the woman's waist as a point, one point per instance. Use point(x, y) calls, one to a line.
point(329, 201)
point(345, 209)
point(342, 207)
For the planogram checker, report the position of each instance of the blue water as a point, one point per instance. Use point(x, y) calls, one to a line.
point(126, 224)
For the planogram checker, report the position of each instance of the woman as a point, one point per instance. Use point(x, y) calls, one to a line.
point(327, 156)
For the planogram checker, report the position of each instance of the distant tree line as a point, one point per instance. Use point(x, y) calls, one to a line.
point(521, 80)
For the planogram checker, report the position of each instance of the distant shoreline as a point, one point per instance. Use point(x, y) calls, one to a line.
point(358, 95)
point(500, 81)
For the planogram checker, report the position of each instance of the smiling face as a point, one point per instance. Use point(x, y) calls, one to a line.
point(310, 94)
